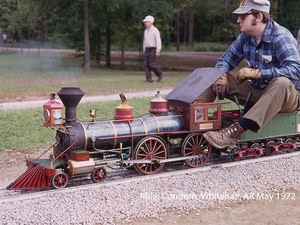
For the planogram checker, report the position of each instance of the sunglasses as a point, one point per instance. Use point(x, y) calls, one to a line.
point(243, 16)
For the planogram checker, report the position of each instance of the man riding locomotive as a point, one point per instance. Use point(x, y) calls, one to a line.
point(270, 85)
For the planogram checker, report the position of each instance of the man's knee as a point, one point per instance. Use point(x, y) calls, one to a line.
point(282, 83)
point(152, 65)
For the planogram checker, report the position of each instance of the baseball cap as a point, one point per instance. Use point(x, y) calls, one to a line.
point(149, 19)
point(247, 5)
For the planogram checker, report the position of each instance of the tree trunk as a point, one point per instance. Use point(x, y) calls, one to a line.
point(87, 56)
point(185, 27)
point(123, 40)
point(107, 55)
point(178, 30)
point(191, 28)
point(278, 10)
point(98, 48)
point(225, 19)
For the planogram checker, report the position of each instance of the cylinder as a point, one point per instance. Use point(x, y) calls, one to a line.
point(80, 167)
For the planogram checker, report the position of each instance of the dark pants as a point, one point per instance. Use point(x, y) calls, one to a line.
point(149, 63)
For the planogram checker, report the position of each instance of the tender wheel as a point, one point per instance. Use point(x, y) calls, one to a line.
point(290, 141)
point(196, 144)
point(99, 174)
point(150, 148)
point(270, 147)
point(60, 180)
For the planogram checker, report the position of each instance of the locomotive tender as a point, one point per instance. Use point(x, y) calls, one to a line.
point(171, 131)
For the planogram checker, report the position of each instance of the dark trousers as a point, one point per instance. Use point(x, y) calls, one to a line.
point(149, 63)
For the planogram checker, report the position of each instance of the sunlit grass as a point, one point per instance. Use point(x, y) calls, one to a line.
point(23, 129)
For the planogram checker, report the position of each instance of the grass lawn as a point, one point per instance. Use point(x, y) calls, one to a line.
point(23, 129)
point(32, 77)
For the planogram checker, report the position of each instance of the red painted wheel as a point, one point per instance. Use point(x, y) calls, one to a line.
point(291, 144)
point(196, 144)
point(150, 148)
point(60, 180)
point(99, 174)
point(270, 148)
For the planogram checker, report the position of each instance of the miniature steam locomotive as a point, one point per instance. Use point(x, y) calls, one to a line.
point(171, 131)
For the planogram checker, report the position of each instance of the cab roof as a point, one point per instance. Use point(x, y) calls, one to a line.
point(195, 84)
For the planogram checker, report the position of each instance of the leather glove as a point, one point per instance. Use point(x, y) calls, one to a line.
point(248, 73)
point(219, 87)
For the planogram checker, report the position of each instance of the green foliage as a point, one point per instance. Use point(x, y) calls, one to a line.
point(289, 15)
point(63, 20)
point(6, 8)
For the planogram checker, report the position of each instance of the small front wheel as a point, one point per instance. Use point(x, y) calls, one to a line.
point(99, 174)
point(60, 180)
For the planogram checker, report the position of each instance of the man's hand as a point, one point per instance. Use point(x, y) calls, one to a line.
point(219, 87)
point(157, 54)
point(248, 73)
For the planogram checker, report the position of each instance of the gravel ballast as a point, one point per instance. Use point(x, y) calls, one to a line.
point(152, 197)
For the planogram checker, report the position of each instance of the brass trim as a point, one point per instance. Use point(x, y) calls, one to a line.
point(145, 126)
point(156, 120)
point(103, 150)
point(71, 168)
point(115, 133)
point(85, 136)
point(131, 133)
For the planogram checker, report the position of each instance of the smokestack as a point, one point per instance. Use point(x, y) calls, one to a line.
point(70, 96)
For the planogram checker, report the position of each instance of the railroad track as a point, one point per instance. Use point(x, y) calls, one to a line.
point(125, 176)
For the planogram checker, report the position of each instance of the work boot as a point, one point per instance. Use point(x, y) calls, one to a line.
point(227, 137)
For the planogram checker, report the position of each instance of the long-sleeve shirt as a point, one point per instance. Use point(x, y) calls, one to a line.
point(275, 55)
point(152, 39)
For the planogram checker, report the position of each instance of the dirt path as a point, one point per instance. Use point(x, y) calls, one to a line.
point(98, 98)
point(260, 212)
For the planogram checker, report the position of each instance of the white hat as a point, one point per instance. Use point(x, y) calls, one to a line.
point(247, 5)
point(149, 19)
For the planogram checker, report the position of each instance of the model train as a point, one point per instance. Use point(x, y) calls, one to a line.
point(172, 131)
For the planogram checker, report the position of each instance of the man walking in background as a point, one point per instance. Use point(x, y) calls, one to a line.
point(151, 49)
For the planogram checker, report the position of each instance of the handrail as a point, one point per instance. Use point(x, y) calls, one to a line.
point(63, 152)
point(45, 151)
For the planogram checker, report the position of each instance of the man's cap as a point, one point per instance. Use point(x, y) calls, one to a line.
point(149, 19)
point(247, 5)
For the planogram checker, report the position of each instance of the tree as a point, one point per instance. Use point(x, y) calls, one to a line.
point(87, 62)
point(7, 7)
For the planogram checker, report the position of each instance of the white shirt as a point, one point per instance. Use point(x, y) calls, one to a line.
point(152, 39)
